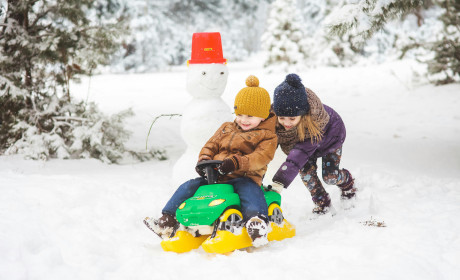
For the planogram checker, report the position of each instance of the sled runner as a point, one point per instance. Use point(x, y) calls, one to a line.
point(212, 218)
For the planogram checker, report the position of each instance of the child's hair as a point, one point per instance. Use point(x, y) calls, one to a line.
point(307, 124)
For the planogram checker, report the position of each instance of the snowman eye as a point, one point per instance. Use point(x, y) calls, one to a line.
point(222, 73)
point(203, 73)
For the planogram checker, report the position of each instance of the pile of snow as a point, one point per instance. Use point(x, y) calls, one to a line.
point(82, 219)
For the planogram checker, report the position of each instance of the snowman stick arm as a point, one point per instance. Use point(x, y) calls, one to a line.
point(154, 120)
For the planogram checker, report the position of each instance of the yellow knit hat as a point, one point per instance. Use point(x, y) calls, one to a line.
point(253, 100)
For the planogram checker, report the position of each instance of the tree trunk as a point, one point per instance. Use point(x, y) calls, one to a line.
point(20, 12)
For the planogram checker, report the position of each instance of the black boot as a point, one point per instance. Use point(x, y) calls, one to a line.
point(322, 208)
point(322, 202)
point(164, 227)
point(347, 187)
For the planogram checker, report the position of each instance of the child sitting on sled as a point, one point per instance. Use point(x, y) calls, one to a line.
point(245, 146)
point(308, 130)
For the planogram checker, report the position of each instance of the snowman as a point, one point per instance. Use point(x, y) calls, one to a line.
point(206, 80)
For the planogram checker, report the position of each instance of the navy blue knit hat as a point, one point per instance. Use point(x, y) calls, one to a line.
point(290, 98)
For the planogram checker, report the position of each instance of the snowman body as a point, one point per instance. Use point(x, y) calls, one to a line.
point(202, 116)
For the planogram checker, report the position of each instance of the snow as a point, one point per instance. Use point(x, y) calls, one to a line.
point(82, 219)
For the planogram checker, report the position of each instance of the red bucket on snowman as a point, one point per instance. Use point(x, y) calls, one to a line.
point(207, 49)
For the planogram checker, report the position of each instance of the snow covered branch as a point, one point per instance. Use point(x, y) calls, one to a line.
point(363, 18)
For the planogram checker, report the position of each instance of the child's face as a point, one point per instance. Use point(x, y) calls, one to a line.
point(289, 122)
point(248, 122)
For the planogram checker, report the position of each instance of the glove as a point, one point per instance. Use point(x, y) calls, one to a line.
point(277, 187)
point(229, 165)
point(201, 171)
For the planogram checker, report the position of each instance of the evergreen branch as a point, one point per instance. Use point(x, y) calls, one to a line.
point(42, 15)
point(58, 124)
point(70, 118)
point(349, 21)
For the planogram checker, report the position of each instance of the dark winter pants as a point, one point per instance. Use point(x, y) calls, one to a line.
point(332, 175)
point(251, 196)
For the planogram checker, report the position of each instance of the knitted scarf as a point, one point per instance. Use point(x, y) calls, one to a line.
point(288, 138)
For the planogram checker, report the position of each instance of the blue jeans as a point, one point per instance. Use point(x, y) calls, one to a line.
point(251, 196)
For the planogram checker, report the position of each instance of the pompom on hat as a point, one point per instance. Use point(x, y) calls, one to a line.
point(290, 98)
point(252, 100)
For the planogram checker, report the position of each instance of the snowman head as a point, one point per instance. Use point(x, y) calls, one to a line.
point(207, 69)
point(207, 80)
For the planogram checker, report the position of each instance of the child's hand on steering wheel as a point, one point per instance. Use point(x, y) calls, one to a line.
point(229, 165)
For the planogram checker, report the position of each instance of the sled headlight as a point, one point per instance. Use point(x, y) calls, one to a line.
point(182, 206)
point(216, 202)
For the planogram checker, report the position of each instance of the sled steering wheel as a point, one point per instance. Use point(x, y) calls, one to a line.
point(210, 169)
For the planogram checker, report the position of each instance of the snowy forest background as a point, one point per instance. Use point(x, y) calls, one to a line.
point(46, 45)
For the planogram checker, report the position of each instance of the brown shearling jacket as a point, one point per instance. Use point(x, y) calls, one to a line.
point(254, 148)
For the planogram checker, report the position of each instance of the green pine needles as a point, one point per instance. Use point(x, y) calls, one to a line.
point(43, 46)
point(360, 20)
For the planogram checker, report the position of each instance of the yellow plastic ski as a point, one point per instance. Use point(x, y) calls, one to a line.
point(279, 232)
point(225, 241)
point(182, 242)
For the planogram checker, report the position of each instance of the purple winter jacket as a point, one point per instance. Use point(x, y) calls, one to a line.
point(333, 138)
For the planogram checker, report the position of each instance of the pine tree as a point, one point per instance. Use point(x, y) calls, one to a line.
point(43, 46)
point(284, 39)
point(445, 65)
point(322, 48)
point(162, 31)
point(155, 39)
point(242, 21)
point(58, 35)
point(361, 19)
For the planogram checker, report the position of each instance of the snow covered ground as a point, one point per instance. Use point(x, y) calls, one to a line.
point(82, 219)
